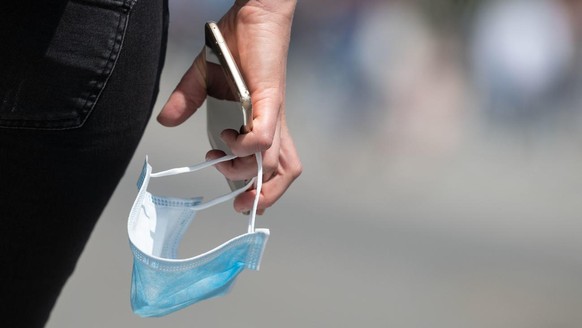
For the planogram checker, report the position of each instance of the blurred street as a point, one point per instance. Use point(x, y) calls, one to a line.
point(442, 182)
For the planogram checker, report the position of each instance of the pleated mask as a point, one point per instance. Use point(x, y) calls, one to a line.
point(161, 283)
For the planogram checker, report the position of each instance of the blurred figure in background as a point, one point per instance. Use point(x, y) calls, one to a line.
point(378, 68)
point(415, 73)
point(522, 54)
point(324, 52)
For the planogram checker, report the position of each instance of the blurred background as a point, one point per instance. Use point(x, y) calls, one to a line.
point(442, 185)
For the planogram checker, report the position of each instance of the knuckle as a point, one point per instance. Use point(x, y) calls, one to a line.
point(264, 141)
point(267, 201)
point(296, 170)
point(223, 169)
point(270, 165)
point(228, 171)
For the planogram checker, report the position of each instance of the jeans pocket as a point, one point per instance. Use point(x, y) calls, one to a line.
point(61, 90)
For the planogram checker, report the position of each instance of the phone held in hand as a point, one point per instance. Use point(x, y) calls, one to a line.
point(228, 104)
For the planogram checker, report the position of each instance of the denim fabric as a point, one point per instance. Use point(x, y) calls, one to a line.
point(69, 125)
point(81, 56)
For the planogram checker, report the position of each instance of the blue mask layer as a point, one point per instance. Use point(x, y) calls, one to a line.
point(161, 283)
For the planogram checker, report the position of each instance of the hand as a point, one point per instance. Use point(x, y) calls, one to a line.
point(257, 34)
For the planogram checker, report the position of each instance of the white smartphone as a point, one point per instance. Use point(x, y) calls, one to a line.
point(228, 105)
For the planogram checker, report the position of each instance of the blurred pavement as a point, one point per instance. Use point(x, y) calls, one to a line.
point(481, 228)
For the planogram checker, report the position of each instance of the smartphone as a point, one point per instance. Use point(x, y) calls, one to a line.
point(228, 105)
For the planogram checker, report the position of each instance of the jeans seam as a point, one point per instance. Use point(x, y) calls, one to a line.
point(94, 90)
point(109, 66)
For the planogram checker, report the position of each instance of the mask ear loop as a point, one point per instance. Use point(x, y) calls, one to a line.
point(188, 169)
point(214, 201)
point(259, 181)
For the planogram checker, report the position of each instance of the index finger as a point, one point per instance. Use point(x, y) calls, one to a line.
point(265, 118)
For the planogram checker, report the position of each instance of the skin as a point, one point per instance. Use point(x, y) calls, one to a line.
point(257, 33)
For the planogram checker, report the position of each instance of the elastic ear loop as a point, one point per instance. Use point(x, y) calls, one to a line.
point(192, 168)
point(231, 195)
point(214, 201)
point(259, 178)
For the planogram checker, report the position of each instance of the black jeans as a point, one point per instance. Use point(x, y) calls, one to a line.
point(75, 101)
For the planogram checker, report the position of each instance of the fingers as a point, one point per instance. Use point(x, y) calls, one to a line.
point(271, 192)
point(240, 168)
point(288, 170)
point(266, 111)
point(188, 95)
point(243, 168)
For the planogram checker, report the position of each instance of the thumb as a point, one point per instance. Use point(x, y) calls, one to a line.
point(188, 95)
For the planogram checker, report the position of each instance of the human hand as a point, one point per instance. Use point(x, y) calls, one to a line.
point(257, 34)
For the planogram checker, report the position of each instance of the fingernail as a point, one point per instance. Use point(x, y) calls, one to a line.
point(222, 134)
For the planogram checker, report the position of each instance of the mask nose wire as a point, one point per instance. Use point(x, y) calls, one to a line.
point(259, 181)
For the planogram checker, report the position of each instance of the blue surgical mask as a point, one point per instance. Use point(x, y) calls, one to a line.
point(161, 283)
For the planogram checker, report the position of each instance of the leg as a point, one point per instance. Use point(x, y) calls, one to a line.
point(54, 184)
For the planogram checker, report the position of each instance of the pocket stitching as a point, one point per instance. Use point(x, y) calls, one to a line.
point(108, 68)
point(93, 91)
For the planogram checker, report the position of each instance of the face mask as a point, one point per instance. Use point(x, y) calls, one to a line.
point(161, 283)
